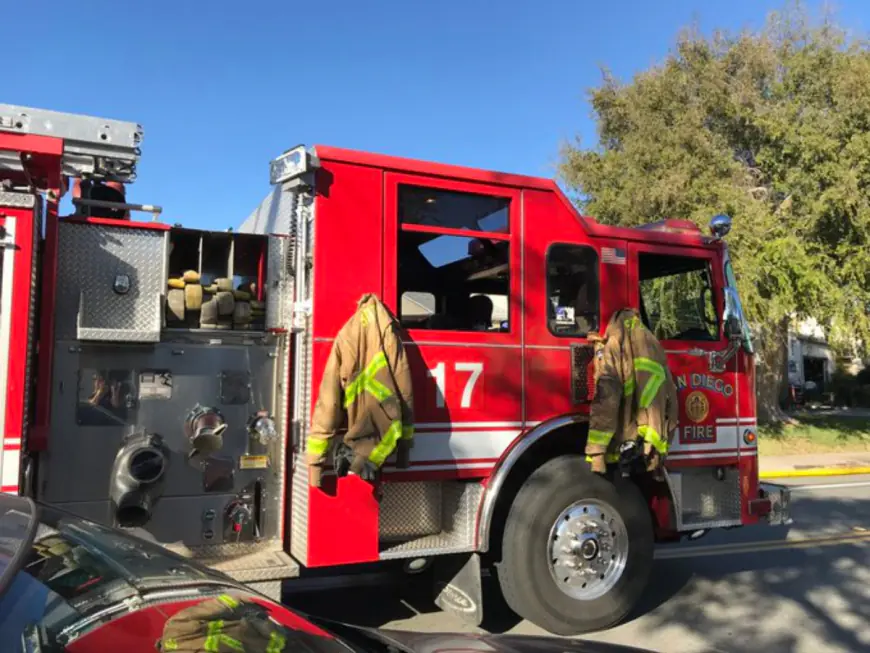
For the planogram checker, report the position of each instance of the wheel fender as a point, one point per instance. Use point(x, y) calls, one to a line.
point(506, 463)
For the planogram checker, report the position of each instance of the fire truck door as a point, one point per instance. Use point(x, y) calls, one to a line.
point(678, 292)
point(16, 250)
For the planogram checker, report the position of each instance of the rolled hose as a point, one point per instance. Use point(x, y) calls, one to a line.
point(137, 479)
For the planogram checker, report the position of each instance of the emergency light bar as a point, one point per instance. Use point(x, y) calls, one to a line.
point(293, 163)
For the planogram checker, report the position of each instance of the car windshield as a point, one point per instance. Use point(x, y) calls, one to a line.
point(65, 579)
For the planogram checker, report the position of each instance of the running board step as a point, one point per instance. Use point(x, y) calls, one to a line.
point(245, 565)
point(265, 565)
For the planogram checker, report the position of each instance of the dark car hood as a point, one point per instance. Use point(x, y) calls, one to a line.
point(485, 643)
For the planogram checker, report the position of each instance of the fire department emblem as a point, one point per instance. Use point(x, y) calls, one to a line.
point(697, 406)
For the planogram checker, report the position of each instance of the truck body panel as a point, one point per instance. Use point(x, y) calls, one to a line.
point(496, 279)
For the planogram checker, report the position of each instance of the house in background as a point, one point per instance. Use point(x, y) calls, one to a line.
point(811, 360)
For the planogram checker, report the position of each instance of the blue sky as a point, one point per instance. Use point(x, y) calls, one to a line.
point(222, 87)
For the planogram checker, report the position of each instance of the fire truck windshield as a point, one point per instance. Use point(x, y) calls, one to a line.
point(734, 308)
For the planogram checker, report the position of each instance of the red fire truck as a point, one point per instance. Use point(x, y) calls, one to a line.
point(162, 378)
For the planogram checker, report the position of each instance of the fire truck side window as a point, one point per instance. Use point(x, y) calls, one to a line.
point(453, 260)
point(676, 297)
point(572, 290)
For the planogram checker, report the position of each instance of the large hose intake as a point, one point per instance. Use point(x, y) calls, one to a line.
point(137, 478)
point(204, 428)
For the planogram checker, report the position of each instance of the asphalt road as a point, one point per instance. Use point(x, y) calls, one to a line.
point(803, 588)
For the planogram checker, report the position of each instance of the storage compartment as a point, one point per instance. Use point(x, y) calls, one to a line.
point(217, 257)
point(706, 497)
point(420, 518)
point(249, 274)
point(184, 251)
point(216, 281)
point(110, 282)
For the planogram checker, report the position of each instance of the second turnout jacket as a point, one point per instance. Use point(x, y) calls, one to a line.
point(367, 385)
point(635, 395)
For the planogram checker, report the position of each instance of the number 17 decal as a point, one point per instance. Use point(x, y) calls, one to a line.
point(438, 373)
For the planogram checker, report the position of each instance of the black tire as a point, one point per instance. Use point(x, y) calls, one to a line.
point(524, 574)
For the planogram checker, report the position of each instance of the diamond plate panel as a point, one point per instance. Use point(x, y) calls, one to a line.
point(17, 200)
point(703, 501)
point(282, 408)
point(31, 324)
point(279, 284)
point(410, 510)
point(245, 563)
point(299, 499)
point(299, 514)
point(271, 589)
point(302, 386)
point(582, 373)
point(90, 260)
point(460, 502)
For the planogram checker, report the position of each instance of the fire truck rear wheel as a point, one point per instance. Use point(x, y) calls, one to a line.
point(577, 550)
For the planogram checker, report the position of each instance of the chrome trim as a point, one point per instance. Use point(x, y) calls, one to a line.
point(502, 470)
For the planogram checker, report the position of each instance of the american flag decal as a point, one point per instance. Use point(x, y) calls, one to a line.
point(613, 255)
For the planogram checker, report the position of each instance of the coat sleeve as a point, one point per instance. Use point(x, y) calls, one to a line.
point(328, 413)
point(606, 406)
point(401, 370)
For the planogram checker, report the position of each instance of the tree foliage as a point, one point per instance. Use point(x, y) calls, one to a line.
point(771, 127)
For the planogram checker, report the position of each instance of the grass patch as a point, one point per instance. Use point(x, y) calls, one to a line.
point(816, 434)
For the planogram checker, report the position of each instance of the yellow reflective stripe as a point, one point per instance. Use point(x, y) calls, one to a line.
point(366, 381)
point(649, 434)
point(228, 601)
point(628, 387)
point(317, 446)
point(407, 432)
point(212, 643)
point(378, 389)
point(387, 445)
point(600, 437)
point(277, 642)
point(651, 389)
point(215, 637)
point(608, 458)
point(231, 642)
point(170, 645)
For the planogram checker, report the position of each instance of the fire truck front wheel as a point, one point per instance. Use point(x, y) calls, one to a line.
point(577, 550)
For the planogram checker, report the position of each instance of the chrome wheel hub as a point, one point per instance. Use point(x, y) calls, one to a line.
point(588, 549)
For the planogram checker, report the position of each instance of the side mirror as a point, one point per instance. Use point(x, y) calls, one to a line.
point(733, 328)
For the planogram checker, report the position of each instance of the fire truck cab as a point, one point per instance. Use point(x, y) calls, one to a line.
point(162, 378)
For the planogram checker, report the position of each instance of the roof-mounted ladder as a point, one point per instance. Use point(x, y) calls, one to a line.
point(94, 148)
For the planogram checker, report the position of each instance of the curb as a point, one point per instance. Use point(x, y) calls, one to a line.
point(815, 471)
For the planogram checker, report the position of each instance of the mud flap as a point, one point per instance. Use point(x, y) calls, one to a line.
point(458, 588)
point(780, 504)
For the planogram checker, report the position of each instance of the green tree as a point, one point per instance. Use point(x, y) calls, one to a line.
point(771, 127)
